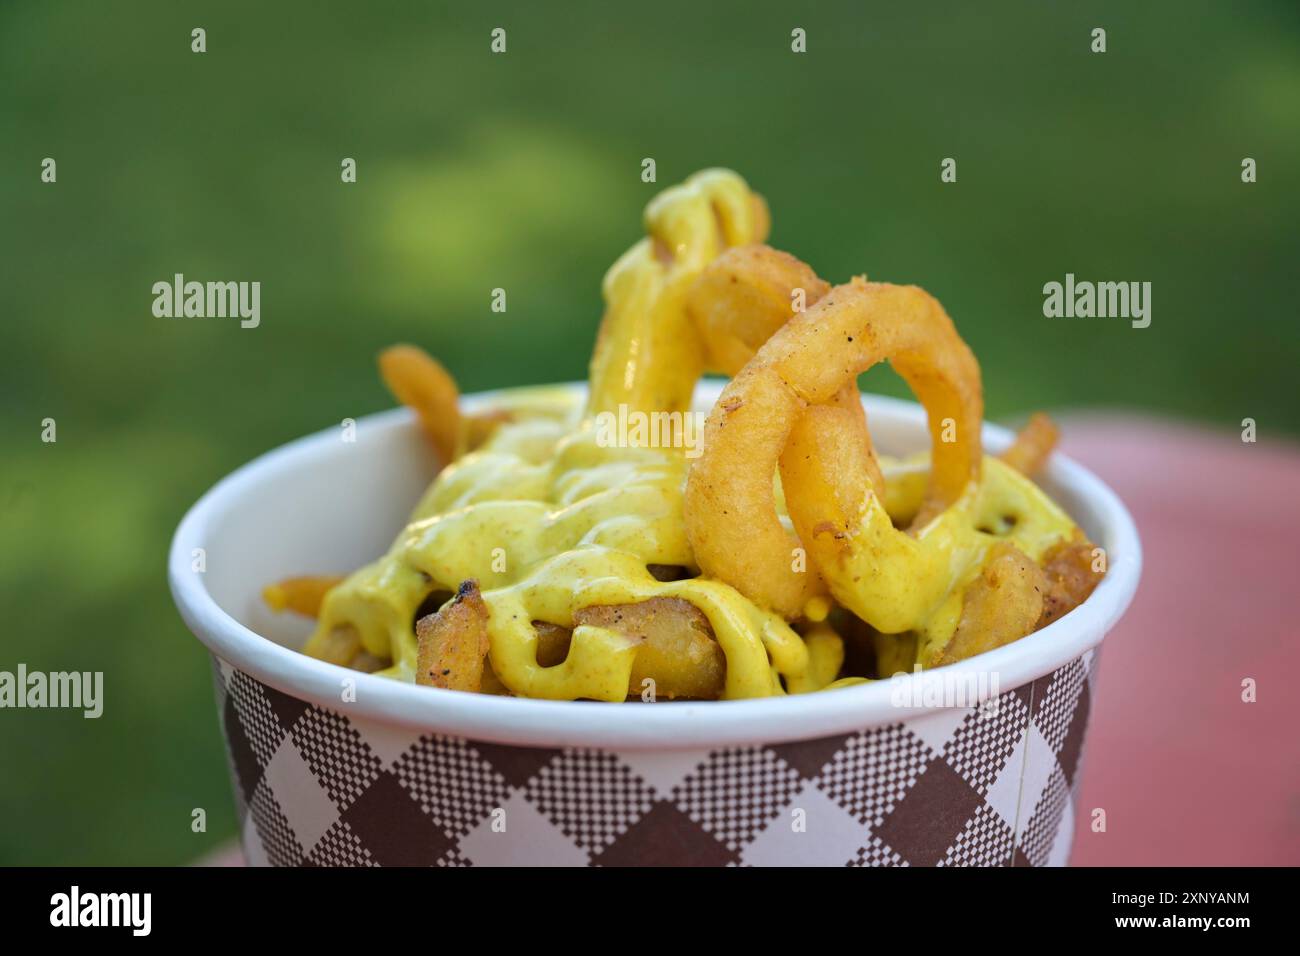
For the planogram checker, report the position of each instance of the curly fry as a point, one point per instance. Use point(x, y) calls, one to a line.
point(419, 381)
point(648, 354)
point(730, 503)
point(302, 595)
point(742, 299)
point(1033, 445)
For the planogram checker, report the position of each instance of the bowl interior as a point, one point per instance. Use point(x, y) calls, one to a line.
point(322, 505)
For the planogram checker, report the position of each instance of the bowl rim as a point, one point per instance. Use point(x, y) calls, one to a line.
point(680, 724)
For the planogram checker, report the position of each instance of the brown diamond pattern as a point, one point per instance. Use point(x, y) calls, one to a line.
point(736, 792)
point(450, 780)
point(430, 802)
point(590, 796)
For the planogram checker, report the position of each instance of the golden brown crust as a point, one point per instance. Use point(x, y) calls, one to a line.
point(731, 519)
point(678, 650)
point(453, 642)
point(1071, 575)
point(743, 297)
point(1002, 605)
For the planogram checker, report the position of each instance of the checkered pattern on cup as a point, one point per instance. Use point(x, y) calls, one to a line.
point(955, 787)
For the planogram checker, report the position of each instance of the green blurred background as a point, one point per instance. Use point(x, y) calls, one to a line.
point(523, 171)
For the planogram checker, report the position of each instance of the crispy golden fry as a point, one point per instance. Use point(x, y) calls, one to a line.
point(823, 464)
point(678, 650)
point(742, 299)
point(454, 642)
point(1032, 447)
point(1071, 573)
point(730, 504)
point(1002, 605)
point(302, 595)
point(419, 381)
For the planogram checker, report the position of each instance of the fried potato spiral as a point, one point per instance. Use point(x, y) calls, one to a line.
point(730, 502)
point(648, 355)
point(743, 298)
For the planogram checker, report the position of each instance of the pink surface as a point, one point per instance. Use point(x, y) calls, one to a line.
point(1187, 773)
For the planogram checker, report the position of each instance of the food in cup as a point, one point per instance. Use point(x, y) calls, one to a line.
point(599, 550)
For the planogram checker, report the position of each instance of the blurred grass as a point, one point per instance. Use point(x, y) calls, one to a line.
point(522, 171)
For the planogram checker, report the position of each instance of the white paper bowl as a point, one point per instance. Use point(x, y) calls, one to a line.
point(412, 775)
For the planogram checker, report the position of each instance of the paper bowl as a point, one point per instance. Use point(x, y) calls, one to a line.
point(889, 773)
